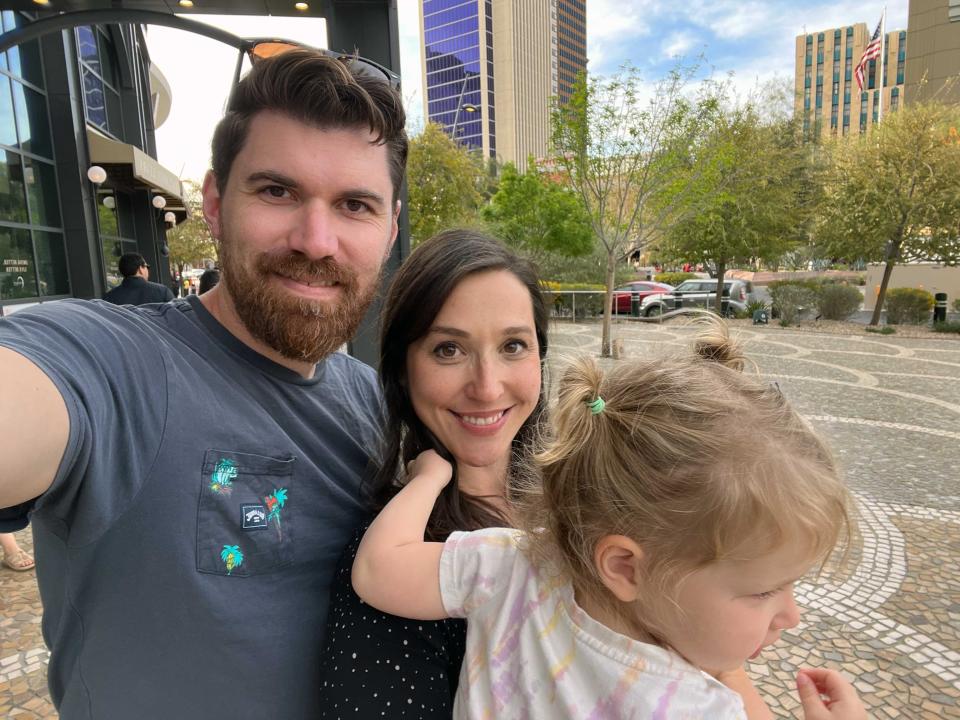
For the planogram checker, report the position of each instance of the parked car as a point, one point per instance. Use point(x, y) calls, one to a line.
point(644, 288)
point(700, 294)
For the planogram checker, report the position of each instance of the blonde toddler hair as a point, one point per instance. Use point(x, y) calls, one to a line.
point(693, 459)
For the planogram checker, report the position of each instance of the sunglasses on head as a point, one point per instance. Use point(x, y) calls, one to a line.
point(257, 49)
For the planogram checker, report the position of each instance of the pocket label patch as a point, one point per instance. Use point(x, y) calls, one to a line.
point(253, 516)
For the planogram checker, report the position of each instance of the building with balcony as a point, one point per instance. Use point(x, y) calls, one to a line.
point(827, 97)
point(933, 36)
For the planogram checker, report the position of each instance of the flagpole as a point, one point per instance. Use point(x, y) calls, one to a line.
point(883, 62)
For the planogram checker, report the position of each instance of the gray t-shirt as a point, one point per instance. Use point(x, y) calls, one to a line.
point(185, 548)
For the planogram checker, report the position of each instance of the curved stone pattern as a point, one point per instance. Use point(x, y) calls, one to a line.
point(891, 410)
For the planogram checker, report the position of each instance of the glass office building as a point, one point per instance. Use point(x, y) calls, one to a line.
point(458, 41)
point(492, 68)
point(69, 100)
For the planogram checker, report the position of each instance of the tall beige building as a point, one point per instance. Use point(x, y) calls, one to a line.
point(492, 67)
point(933, 36)
point(827, 97)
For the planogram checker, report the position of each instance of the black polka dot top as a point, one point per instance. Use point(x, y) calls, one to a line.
point(376, 665)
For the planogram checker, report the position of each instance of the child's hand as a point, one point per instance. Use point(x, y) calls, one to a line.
point(430, 464)
point(827, 695)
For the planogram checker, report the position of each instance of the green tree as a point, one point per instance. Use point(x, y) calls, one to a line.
point(537, 216)
point(750, 205)
point(629, 160)
point(190, 242)
point(894, 195)
point(445, 183)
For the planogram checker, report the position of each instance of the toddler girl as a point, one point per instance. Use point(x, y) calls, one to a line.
point(676, 504)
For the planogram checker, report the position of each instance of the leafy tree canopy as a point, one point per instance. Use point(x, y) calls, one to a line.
point(190, 242)
point(445, 183)
point(893, 195)
point(537, 216)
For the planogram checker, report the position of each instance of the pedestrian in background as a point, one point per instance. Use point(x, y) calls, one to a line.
point(209, 280)
point(136, 288)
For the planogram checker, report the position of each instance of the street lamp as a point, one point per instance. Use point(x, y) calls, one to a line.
point(461, 105)
point(467, 107)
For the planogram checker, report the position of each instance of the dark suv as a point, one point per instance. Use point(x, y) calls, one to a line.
point(699, 294)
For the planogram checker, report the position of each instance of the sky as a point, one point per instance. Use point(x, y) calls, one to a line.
point(753, 40)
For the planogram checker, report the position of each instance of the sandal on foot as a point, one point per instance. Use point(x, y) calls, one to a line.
point(19, 562)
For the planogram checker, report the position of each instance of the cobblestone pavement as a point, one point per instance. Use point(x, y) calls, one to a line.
point(891, 408)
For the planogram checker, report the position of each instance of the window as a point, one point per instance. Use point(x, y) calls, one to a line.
point(32, 256)
point(100, 78)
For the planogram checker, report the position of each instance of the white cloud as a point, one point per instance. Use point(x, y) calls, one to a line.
point(611, 22)
point(677, 44)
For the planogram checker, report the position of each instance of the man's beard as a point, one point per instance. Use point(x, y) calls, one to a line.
point(296, 327)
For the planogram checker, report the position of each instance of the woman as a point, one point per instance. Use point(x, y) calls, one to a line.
point(463, 341)
point(464, 336)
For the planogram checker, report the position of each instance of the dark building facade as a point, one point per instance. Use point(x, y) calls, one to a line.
point(70, 101)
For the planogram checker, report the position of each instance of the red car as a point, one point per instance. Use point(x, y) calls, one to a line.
point(643, 288)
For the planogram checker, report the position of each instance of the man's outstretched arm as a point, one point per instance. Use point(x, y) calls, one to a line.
point(34, 428)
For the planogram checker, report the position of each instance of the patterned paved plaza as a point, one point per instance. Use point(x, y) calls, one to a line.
point(891, 408)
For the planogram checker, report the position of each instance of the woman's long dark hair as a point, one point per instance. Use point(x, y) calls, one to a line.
point(418, 292)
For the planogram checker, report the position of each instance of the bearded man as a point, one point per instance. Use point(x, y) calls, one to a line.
point(193, 468)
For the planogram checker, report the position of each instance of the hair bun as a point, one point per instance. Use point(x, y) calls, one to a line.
point(715, 344)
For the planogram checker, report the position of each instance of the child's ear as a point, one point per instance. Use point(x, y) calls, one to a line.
point(618, 559)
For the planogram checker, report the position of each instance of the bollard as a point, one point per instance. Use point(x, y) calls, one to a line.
point(940, 307)
point(617, 349)
point(635, 304)
point(677, 301)
point(725, 302)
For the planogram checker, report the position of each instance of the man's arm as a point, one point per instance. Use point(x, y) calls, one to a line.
point(34, 429)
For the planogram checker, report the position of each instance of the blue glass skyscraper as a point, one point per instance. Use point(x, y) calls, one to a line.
point(491, 69)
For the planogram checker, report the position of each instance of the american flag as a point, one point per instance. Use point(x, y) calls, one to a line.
point(872, 52)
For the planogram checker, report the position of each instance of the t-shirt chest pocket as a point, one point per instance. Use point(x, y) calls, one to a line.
point(244, 521)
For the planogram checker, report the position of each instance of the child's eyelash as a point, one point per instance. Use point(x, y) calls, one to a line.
point(768, 593)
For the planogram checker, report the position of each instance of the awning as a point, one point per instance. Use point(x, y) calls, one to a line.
point(130, 168)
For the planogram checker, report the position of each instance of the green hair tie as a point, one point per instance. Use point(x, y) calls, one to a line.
point(597, 406)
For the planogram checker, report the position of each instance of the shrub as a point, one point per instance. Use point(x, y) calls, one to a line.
point(884, 330)
point(790, 298)
point(673, 278)
point(755, 305)
point(947, 327)
point(838, 302)
point(956, 305)
point(908, 306)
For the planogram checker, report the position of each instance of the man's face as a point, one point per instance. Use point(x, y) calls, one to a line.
point(304, 223)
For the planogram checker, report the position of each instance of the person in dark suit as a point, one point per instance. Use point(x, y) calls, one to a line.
point(208, 280)
point(136, 288)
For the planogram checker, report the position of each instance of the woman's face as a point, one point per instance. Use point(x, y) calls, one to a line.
point(474, 378)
